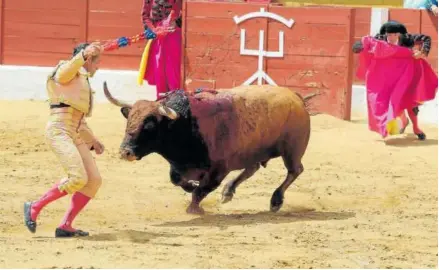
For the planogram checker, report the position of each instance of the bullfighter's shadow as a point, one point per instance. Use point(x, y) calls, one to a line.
point(409, 140)
point(223, 221)
point(134, 236)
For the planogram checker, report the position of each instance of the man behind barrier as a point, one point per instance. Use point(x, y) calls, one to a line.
point(69, 137)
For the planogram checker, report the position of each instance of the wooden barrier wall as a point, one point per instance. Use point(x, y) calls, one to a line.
point(317, 48)
point(109, 19)
point(376, 3)
point(42, 32)
point(39, 32)
point(316, 57)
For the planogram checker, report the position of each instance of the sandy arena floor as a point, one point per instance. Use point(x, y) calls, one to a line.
point(360, 204)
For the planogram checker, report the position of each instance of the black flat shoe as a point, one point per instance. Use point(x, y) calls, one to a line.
point(421, 136)
point(63, 233)
point(30, 224)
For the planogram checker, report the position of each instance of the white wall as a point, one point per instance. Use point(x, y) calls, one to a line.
point(18, 83)
point(428, 111)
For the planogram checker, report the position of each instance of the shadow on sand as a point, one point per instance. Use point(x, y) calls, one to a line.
point(139, 237)
point(408, 141)
point(128, 235)
point(224, 221)
point(358, 121)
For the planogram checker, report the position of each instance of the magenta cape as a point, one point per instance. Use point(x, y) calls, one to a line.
point(395, 81)
point(164, 69)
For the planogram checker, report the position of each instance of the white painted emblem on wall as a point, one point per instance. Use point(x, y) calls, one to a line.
point(261, 53)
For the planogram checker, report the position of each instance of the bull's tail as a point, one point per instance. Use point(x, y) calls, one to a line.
point(306, 100)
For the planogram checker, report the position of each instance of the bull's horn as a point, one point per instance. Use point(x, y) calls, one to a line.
point(168, 112)
point(112, 99)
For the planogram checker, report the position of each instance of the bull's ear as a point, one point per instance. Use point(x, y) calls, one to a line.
point(125, 111)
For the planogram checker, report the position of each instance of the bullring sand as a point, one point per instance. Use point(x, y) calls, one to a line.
point(360, 203)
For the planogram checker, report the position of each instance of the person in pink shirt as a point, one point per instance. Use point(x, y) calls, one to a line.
point(163, 18)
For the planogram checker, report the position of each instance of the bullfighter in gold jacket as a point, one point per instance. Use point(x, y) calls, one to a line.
point(70, 138)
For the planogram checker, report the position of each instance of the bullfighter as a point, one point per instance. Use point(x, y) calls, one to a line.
point(70, 138)
point(162, 19)
point(397, 77)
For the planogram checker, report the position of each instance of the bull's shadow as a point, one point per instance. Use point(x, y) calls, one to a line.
point(224, 221)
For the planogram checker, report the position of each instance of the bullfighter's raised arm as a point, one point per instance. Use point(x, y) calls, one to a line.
point(425, 41)
point(146, 15)
point(67, 70)
point(361, 45)
point(176, 11)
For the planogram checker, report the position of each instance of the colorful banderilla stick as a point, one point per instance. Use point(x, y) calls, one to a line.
point(127, 41)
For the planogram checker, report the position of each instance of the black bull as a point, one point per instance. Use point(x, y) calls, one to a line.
point(205, 136)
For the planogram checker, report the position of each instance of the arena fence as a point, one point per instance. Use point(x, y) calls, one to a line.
point(225, 44)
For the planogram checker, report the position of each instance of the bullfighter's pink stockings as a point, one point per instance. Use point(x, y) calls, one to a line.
point(405, 122)
point(53, 194)
point(79, 201)
point(413, 114)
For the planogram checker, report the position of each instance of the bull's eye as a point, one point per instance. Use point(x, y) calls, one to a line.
point(149, 125)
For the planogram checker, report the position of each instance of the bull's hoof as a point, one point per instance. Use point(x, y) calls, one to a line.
point(188, 188)
point(275, 208)
point(276, 201)
point(227, 194)
point(227, 197)
point(195, 210)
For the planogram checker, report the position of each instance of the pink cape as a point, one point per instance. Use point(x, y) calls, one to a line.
point(395, 81)
point(164, 63)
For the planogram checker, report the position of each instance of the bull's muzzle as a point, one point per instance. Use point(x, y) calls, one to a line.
point(127, 154)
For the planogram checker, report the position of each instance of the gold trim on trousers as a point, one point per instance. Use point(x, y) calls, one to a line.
point(63, 136)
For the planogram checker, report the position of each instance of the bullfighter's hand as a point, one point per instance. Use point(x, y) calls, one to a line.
point(418, 54)
point(169, 26)
point(170, 29)
point(98, 147)
point(94, 49)
point(357, 47)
